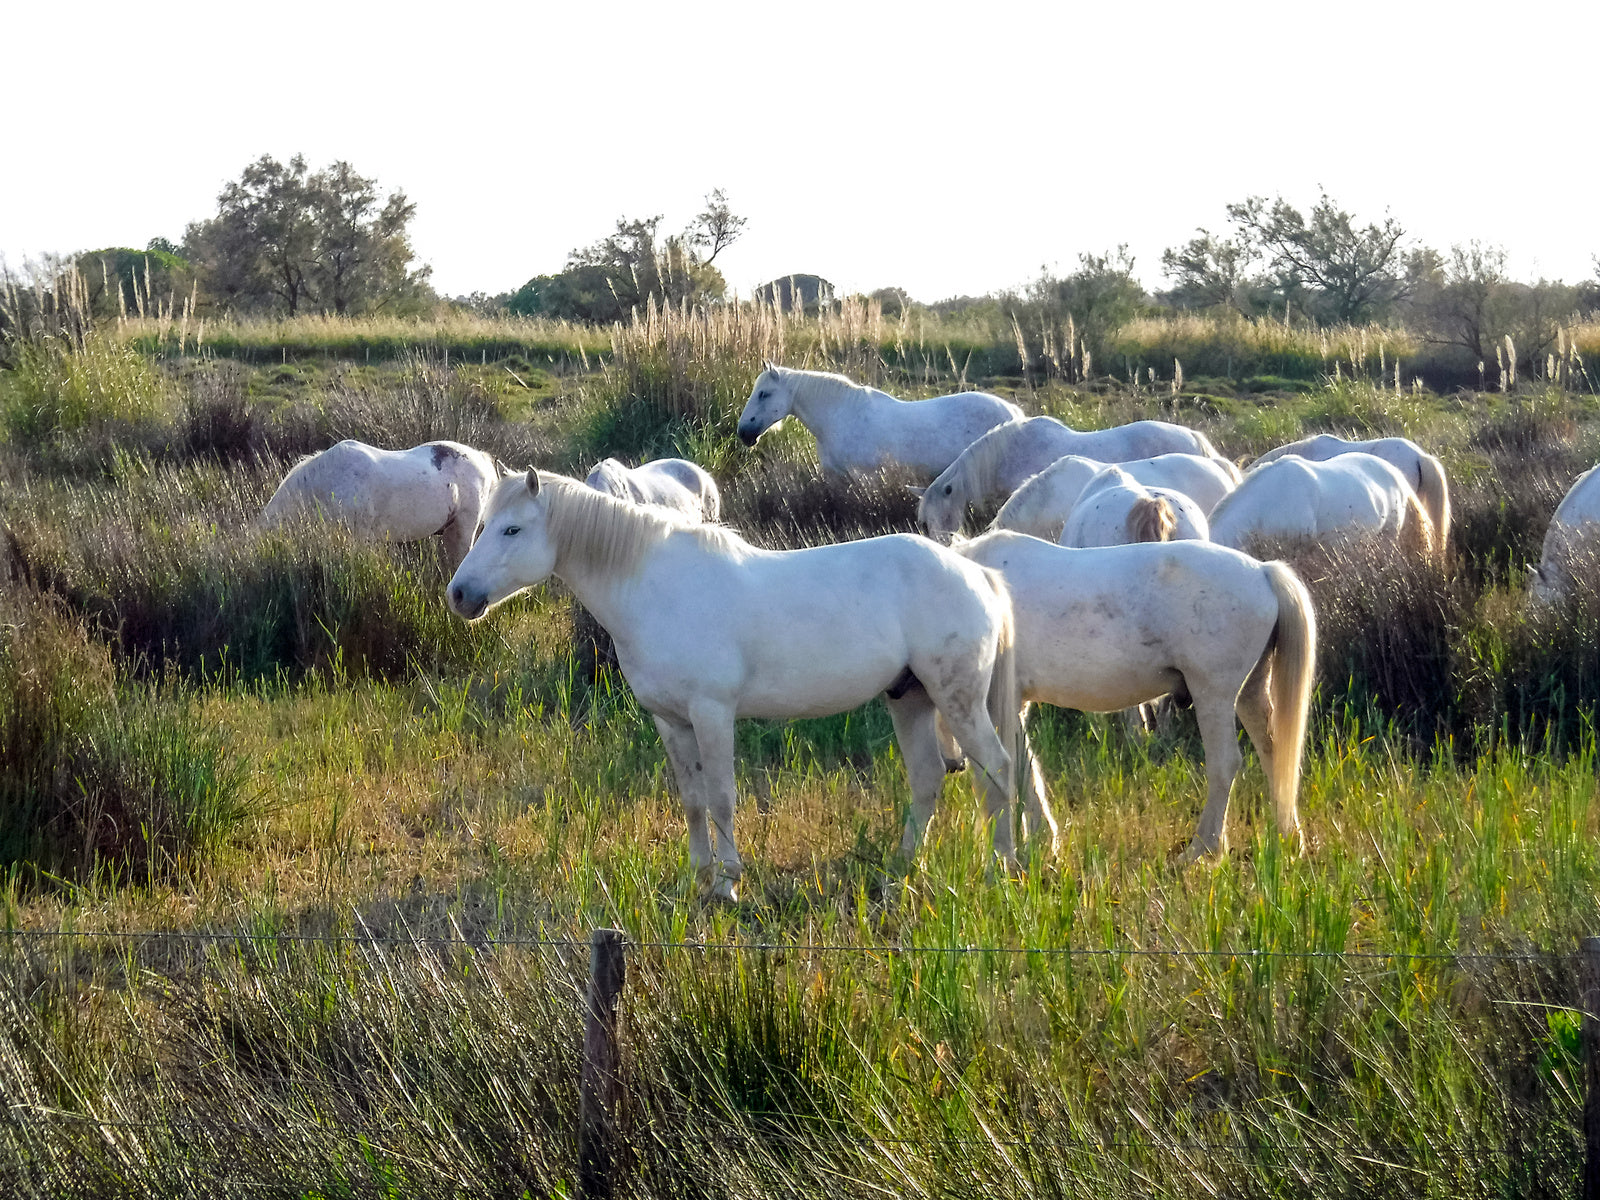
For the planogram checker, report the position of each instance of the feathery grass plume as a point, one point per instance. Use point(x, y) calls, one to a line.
point(1511, 363)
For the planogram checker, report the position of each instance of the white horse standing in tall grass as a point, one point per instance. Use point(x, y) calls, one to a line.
point(1106, 629)
point(1574, 529)
point(1003, 459)
point(709, 629)
point(1114, 509)
point(1040, 506)
point(674, 483)
point(1348, 496)
point(1422, 471)
point(391, 495)
point(860, 430)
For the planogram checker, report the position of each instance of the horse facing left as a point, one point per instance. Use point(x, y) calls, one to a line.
point(391, 495)
point(709, 629)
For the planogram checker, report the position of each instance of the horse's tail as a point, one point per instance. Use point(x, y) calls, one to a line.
point(1151, 519)
point(1204, 447)
point(1418, 535)
point(1293, 659)
point(1433, 490)
point(1005, 693)
point(1230, 469)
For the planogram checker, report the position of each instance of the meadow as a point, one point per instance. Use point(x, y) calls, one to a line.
point(300, 869)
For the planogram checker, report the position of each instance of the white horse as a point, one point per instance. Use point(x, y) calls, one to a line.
point(1574, 528)
point(1003, 459)
point(1115, 509)
point(1350, 495)
point(1422, 471)
point(1106, 629)
point(1040, 506)
point(669, 482)
point(391, 495)
point(709, 629)
point(860, 430)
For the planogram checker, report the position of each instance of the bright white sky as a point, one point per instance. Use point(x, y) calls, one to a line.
point(943, 149)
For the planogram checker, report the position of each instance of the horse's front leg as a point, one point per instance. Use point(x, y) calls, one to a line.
point(713, 731)
point(683, 752)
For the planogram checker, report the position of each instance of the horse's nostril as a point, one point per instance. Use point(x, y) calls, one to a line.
point(456, 593)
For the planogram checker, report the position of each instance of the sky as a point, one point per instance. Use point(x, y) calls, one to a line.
point(944, 149)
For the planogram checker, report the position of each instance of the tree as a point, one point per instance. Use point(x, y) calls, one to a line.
point(1341, 272)
point(622, 272)
point(1210, 272)
point(287, 239)
point(716, 227)
point(1468, 302)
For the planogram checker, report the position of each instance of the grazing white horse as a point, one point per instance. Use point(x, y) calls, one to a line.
point(1000, 461)
point(669, 482)
point(1115, 509)
point(709, 629)
point(1574, 527)
point(1040, 506)
point(391, 495)
point(1422, 471)
point(860, 430)
point(1350, 495)
point(1104, 629)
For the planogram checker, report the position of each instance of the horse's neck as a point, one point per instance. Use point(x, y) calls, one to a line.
point(826, 405)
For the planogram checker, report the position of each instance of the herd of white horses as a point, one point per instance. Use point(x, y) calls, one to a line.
point(1116, 572)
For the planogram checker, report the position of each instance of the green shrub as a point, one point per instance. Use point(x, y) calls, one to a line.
point(57, 387)
point(97, 774)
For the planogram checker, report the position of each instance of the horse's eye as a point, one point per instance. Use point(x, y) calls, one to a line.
point(948, 488)
point(763, 395)
point(512, 530)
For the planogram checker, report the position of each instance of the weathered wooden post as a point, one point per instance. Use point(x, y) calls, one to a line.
point(598, 1086)
point(1589, 974)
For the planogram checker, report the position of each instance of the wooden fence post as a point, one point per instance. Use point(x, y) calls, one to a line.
point(1589, 975)
point(598, 1086)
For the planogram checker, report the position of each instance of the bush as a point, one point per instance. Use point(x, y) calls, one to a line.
point(95, 773)
point(201, 589)
point(58, 387)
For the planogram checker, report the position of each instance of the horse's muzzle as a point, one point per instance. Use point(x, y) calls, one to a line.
point(460, 605)
point(748, 436)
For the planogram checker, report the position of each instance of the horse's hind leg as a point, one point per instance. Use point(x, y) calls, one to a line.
point(993, 765)
point(915, 718)
point(683, 752)
point(1255, 714)
point(1213, 709)
point(1038, 821)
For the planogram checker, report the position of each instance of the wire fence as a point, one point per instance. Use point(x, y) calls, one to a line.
point(788, 1132)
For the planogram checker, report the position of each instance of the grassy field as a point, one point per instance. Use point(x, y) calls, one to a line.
point(374, 840)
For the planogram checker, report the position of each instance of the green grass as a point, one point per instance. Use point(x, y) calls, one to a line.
point(367, 804)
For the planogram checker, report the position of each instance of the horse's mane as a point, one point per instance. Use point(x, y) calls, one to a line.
point(975, 467)
point(830, 379)
point(602, 533)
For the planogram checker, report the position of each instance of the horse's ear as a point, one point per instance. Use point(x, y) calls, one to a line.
point(766, 365)
point(915, 490)
point(533, 482)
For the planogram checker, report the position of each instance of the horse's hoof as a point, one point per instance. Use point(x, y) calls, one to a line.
point(1198, 852)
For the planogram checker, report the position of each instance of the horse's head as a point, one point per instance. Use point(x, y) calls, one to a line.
point(943, 506)
point(512, 551)
point(770, 402)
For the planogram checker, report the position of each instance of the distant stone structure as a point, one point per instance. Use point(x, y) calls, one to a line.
point(811, 292)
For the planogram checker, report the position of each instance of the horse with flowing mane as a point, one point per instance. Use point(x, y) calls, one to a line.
point(668, 482)
point(709, 629)
point(1422, 471)
point(860, 430)
point(1106, 629)
point(391, 495)
point(1348, 496)
point(1574, 529)
point(1114, 509)
point(1002, 460)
